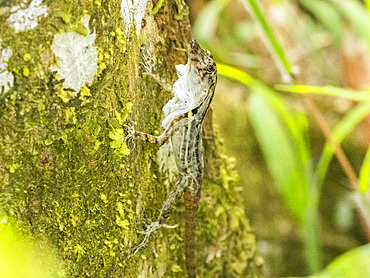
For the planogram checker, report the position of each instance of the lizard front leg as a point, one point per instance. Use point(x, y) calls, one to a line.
point(175, 124)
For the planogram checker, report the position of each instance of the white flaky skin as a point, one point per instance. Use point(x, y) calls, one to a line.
point(188, 93)
point(78, 57)
point(25, 17)
point(6, 77)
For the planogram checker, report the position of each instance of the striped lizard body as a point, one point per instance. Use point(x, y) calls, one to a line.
point(184, 116)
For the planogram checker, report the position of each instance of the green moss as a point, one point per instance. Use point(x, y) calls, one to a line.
point(13, 167)
point(66, 173)
point(157, 7)
point(181, 10)
point(27, 57)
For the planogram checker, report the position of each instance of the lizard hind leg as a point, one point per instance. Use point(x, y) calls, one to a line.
point(176, 192)
point(153, 226)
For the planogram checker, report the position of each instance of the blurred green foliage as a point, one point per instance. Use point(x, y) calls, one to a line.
point(283, 132)
point(354, 263)
point(22, 256)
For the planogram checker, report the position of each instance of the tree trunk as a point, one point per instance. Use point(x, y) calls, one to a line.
point(66, 173)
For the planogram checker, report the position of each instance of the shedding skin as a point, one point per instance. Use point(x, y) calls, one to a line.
point(184, 116)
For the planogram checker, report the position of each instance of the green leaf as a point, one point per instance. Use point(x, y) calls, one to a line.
point(354, 263)
point(280, 154)
point(328, 16)
point(277, 103)
point(358, 15)
point(268, 31)
point(281, 135)
point(350, 121)
point(236, 74)
point(365, 174)
point(326, 90)
point(290, 168)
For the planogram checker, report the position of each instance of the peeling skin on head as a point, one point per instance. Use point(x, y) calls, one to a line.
point(23, 19)
point(191, 89)
point(131, 10)
point(186, 96)
point(6, 77)
point(78, 58)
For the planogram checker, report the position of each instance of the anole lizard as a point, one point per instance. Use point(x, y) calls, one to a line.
point(184, 116)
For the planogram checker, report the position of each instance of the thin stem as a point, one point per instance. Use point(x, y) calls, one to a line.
point(271, 40)
point(342, 158)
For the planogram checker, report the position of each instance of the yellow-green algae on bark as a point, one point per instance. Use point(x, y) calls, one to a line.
point(67, 176)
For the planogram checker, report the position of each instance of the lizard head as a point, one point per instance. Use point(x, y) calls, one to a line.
point(195, 86)
point(203, 69)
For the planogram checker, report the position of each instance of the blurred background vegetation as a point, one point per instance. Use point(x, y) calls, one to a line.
point(293, 105)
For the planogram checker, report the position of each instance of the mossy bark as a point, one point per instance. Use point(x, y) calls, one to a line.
point(65, 174)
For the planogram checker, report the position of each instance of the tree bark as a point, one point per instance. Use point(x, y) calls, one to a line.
point(66, 174)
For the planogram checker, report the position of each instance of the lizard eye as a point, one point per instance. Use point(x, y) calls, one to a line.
point(210, 68)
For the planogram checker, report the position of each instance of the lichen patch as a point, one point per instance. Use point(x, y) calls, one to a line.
point(78, 58)
point(6, 77)
point(131, 10)
point(25, 17)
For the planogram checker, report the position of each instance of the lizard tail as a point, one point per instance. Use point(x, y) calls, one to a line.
point(191, 210)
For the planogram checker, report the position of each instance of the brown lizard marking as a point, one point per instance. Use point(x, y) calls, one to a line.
point(185, 134)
